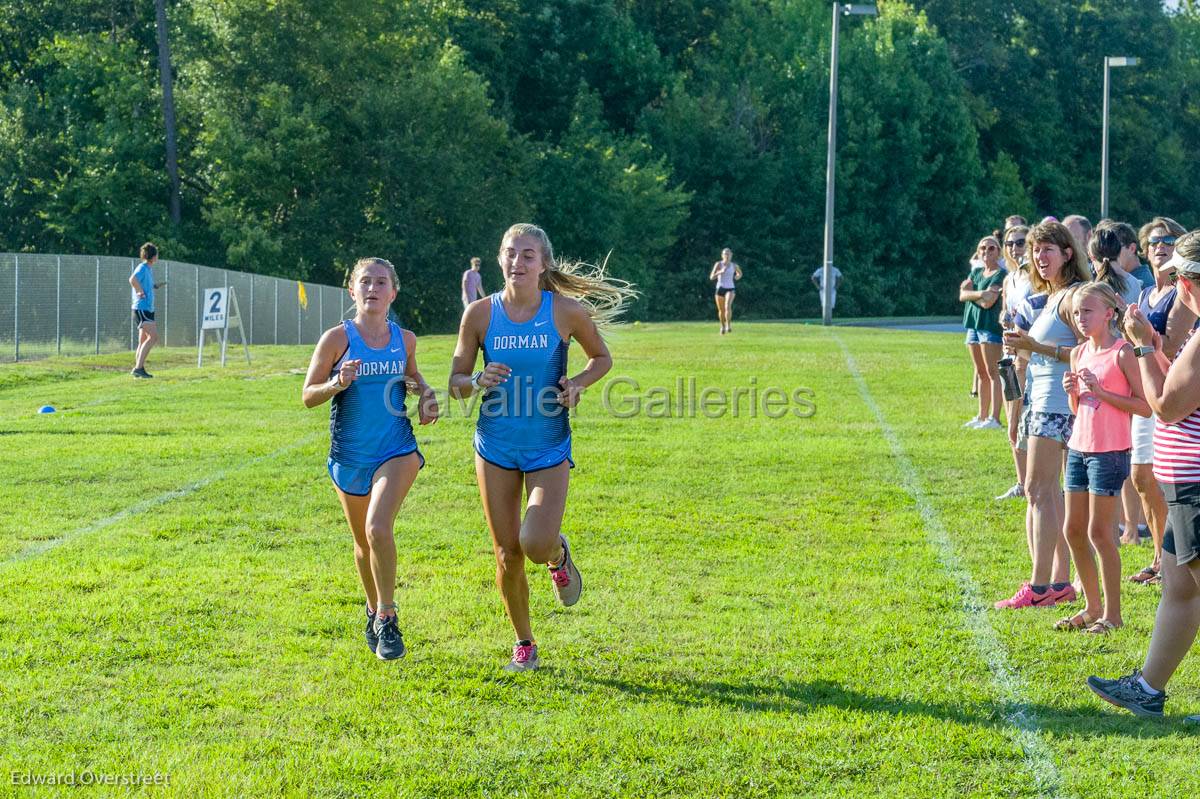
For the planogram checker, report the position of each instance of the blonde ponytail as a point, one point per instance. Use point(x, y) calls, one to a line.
point(605, 297)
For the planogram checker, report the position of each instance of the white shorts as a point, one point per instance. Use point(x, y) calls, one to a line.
point(1142, 430)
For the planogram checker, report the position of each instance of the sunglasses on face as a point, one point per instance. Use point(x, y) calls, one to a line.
point(1167, 240)
point(988, 247)
point(1015, 243)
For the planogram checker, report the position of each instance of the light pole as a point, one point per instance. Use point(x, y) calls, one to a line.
point(1109, 62)
point(839, 10)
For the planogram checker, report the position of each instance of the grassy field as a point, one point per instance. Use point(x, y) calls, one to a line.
point(795, 606)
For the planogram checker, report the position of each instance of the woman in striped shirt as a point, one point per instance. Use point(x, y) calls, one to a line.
point(1171, 391)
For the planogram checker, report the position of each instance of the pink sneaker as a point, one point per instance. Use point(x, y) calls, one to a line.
point(568, 583)
point(524, 657)
point(1026, 597)
point(1021, 599)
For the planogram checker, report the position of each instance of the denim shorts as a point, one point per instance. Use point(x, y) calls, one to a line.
point(1101, 474)
point(1183, 521)
point(983, 337)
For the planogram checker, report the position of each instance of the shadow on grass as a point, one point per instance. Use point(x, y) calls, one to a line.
point(1087, 720)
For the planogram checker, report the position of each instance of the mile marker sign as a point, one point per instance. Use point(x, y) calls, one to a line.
point(215, 309)
point(219, 312)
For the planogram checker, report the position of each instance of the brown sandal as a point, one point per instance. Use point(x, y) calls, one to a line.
point(1080, 621)
point(1144, 576)
point(1102, 627)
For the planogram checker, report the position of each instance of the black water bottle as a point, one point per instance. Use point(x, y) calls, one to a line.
point(1008, 378)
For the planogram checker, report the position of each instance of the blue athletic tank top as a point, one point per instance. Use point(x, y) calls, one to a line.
point(367, 423)
point(523, 411)
point(1157, 313)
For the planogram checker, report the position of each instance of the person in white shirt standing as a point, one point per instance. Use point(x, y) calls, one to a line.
point(472, 284)
point(818, 279)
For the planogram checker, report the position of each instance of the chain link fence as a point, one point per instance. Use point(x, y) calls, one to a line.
point(80, 305)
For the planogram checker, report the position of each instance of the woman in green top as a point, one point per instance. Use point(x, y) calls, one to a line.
point(980, 291)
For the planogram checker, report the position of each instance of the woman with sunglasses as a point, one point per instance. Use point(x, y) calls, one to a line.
point(1171, 393)
point(1015, 292)
point(1058, 266)
point(1172, 321)
point(981, 317)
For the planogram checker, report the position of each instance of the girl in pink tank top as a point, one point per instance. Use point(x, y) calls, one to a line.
point(1104, 387)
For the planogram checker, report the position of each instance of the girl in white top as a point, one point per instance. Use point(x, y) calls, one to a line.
point(1015, 290)
point(725, 272)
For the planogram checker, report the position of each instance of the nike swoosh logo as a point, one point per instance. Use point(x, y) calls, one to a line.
point(397, 349)
point(539, 324)
point(1043, 599)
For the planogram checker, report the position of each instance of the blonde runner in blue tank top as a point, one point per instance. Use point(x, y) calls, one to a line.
point(523, 412)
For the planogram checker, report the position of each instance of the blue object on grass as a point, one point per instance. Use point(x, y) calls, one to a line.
point(46, 409)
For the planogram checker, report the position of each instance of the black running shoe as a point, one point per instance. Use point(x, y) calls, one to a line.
point(141, 373)
point(391, 643)
point(1127, 692)
point(372, 638)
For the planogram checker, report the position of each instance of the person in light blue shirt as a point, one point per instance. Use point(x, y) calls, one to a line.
point(142, 286)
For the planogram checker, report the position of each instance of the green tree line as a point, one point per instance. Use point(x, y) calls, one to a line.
point(313, 132)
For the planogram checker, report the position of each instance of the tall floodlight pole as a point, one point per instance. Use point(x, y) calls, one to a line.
point(839, 10)
point(1109, 62)
point(164, 76)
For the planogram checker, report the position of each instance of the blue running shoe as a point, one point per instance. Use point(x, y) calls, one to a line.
point(1127, 692)
point(391, 642)
point(372, 638)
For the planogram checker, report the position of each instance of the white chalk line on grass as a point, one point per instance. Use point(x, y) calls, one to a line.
point(41, 547)
point(1011, 686)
